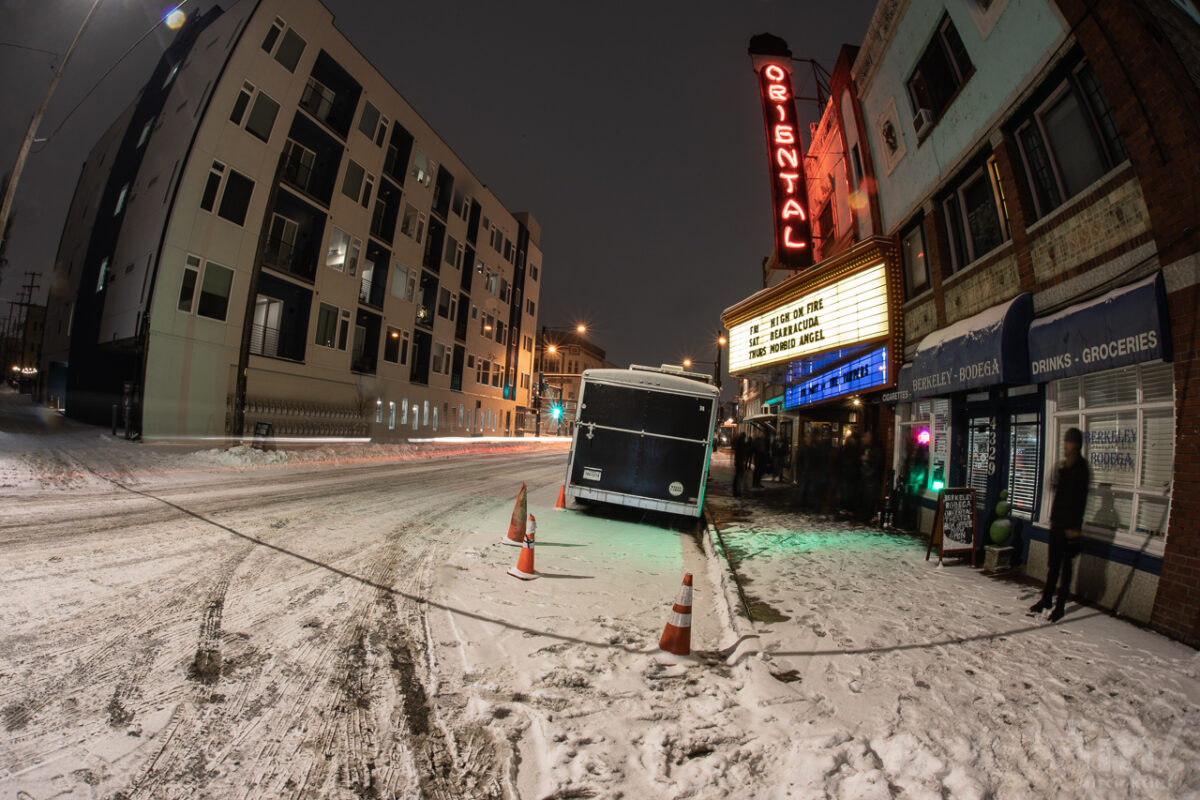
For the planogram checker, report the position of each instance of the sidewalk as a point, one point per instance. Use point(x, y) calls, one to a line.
point(940, 674)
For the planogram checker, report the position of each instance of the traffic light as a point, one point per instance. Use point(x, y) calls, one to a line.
point(556, 412)
point(537, 402)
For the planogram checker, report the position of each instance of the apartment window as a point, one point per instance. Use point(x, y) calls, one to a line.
point(281, 242)
point(445, 303)
point(422, 169)
point(391, 415)
point(453, 254)
point(441, 359)
point(121, 200)
point(187, 289)
point(395, 347)
point(1128, 421)
point(916, 266)
point(317, 99)
point(381, 133)
point(298, 164)
point(352, 183)
point(236, 200)
point(942, 69)
point(400, 281)
point(290, 49)
point(352, 256)
point(533, 272)
point(524, 380)
point(241, 104)
point(973, 218)
point(529, 343)
point(265, 332)
point(497, 374)
point(483, 371)
point(501, 337)
point(1069, 141)
point(273, 35)
point(413, 223)
point(214, 292)
point(504, 287)
point(212, 186)
point(333, 326)
point(262, 116)
point(339, 247)
point(369, 121)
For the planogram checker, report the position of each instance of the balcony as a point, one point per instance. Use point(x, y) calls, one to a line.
point(272, 342)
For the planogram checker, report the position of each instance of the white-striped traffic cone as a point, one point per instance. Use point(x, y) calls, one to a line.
point(676, 641)
point(524, 567)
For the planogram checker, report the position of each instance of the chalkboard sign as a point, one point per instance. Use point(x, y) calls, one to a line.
point(264, 436)
point(954, 524)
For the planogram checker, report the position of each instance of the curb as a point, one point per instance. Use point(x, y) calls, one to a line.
point(740, 640)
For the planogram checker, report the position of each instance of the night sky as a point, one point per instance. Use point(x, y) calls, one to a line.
point(632, 131)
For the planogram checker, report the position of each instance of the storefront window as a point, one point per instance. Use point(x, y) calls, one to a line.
point(923, 428)
point(1128, 424)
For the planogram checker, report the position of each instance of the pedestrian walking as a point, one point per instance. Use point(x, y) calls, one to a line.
point(850, 474)
point(741, 452)
point(807, 469)
point(762, 458)
point(870, 466)
point(1071, 479)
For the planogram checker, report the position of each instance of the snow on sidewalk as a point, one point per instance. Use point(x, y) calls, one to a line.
point(917, 680)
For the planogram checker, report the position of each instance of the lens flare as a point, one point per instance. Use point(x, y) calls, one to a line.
point(174, 19)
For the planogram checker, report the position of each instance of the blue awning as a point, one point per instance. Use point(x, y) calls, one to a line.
point(1125, 326)
point(903, 391)
point(989, 348)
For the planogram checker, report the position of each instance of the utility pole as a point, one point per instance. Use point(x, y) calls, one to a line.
point(31, 134)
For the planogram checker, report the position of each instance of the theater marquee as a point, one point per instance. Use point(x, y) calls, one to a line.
point(845, 311)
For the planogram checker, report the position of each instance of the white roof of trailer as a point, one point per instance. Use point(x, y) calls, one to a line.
point(651, 380)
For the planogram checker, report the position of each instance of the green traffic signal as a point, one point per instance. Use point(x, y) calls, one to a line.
point(556, 412)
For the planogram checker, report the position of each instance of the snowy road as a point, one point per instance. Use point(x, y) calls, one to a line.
point(338, 623)
point(238, 632)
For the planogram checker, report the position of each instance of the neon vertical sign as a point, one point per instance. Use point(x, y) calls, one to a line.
point(793, 234)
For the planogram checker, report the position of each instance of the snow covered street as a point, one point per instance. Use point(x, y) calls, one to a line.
point(196, 621)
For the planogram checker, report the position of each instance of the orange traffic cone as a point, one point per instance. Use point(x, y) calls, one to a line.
point(562, 497)
point(524, 567)
point(516, 527)
point(677, 636)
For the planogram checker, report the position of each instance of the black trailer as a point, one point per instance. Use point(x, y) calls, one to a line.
point(642, 438)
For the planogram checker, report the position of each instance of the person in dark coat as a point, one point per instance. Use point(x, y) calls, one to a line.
point(741, 452)
point(1071, 479)
point(806, 472)
point(849, 473)
point(871, 466)
point(762, 458)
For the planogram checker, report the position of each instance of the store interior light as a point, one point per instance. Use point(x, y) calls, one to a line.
point(939, 485)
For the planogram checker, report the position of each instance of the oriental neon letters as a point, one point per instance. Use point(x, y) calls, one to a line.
point(793, 236)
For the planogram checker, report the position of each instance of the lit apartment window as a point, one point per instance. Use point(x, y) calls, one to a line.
point(145, 132)
point(339, 246)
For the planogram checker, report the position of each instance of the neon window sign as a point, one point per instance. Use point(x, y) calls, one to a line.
point(793, 233)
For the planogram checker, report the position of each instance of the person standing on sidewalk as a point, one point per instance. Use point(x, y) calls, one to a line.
point(1071, 479)
point(740, 452)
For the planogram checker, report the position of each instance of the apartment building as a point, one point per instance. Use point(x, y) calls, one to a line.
point(271, 234)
